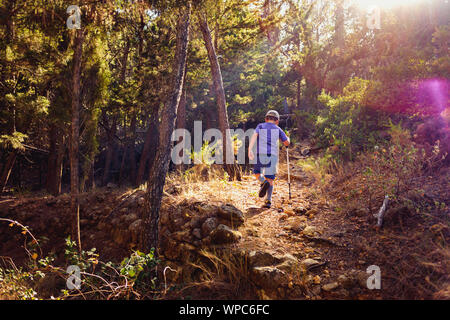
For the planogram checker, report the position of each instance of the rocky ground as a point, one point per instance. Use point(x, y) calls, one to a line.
point(219, 243)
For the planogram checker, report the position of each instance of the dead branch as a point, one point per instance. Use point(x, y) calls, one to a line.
point(381, 212)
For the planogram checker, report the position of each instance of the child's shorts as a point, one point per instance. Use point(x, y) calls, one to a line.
point(266, 164)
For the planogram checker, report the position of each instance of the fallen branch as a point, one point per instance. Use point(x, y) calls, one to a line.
point(381, 212)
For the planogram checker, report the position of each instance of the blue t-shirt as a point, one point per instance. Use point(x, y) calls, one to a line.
point(268, 135)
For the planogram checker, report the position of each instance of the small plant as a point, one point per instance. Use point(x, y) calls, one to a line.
point(206, 153)
point(137, 268)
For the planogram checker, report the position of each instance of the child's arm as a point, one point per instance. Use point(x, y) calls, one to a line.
point(284, 138)
point(253, 139)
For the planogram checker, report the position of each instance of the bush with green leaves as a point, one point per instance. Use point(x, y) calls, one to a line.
point(345, 124)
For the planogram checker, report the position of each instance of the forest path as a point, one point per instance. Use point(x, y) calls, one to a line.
point(306, 227)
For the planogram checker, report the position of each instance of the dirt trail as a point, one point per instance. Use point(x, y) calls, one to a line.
point(304, 227)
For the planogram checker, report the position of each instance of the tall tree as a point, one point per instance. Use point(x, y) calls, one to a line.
point(228, 154)
point(158, 171)
point(74, 137)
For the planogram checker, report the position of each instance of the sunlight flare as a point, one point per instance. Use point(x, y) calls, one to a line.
point(387, 4)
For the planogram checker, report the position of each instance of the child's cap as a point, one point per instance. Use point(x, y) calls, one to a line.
point(273, 113)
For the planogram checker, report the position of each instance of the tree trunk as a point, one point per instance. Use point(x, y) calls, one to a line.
point(181, 121)
point(55, 160)
point(339, 36)
point(75, 133)
point(228, 154)
point(111, 147)
point(124, 153)
point(59, 163)
point(299, 92)
point(150, 146)
point(158, 171)
point(267, 25)
point(131, 148)
point(7, 169)
point(51, 166)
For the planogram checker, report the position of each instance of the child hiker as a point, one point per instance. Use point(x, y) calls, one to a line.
point(266, 137)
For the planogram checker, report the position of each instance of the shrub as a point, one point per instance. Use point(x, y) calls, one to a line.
point(392, 169)
point(345, 125)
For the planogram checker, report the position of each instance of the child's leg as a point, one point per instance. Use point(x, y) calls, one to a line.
point(270, 190)
point(260, 177)
point(257, 170)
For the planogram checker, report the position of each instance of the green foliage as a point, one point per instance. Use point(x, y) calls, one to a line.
point(347, 125)
point(137, 268)
point(14, 141)
point(13, 285)
point(206, 154)
point(137, 271)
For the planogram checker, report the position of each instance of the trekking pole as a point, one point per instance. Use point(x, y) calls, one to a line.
point(289, 171)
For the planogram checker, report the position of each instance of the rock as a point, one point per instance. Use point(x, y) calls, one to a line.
point(196, 222)
point(296, 224)
point(223, 234)
point(268, 277)
point(316, 290)
point(300, 210)
point(120, 236)
point(209, 225)
point(289, 264)
point(231, 214)
point(354, 278)
point(343, 280)
point(170, 249)
point(135, 230)
point(308, 263)
point(177, 223)
point(187, 252)
point(330, 286)
point(130, 218)
point(261, 259)
point(289, 212)
point(310, 231)
point(206, 209)
point(287, 257)
point(182, 236)
point(102, 226)
point(197, 233)
point(164, 218)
